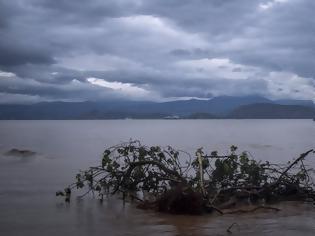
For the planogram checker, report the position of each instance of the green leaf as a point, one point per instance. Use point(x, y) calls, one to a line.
point(233, 148)
point(60, 193)
point(79, 184)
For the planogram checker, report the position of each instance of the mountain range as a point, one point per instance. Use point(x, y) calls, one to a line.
point(251, 107)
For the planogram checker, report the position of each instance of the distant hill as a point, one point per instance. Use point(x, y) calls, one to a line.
point(217, 107)
point(224, 104)
point(273, 111)
point(307, 103)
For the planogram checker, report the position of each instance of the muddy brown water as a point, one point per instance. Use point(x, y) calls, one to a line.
point(28, 205)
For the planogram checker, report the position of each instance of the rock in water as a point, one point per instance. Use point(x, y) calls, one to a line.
point(20, 153)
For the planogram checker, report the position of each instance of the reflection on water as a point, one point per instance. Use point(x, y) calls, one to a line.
point(28, 205)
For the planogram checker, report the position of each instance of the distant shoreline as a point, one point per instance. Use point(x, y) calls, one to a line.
point(122, 119)
point(216, 108)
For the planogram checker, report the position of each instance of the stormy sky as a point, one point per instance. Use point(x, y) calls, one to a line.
point(159, 50)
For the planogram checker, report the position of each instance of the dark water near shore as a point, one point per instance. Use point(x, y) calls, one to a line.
point(27, 185)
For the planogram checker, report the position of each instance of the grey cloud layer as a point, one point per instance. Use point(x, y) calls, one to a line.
point(168, 48)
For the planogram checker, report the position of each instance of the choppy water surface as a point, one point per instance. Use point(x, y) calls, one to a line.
point(27, 185)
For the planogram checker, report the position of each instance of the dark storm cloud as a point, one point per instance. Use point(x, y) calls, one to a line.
point(160, 48)
point(280, 38)
point(33, 30)
point(85, 11)
point(13, 55)
point(210, 17)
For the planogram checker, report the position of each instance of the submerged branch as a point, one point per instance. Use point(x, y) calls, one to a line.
point(252, 210)
point(301, 158)
point(173, 181)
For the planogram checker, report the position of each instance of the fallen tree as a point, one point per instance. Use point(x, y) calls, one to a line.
point(173, 181)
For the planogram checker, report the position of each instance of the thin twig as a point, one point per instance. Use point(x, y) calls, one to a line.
point(231, 226)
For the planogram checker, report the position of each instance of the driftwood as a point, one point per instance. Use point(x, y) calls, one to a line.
point(178, 183)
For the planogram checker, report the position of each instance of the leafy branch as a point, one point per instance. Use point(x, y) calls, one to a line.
point(171, 180)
